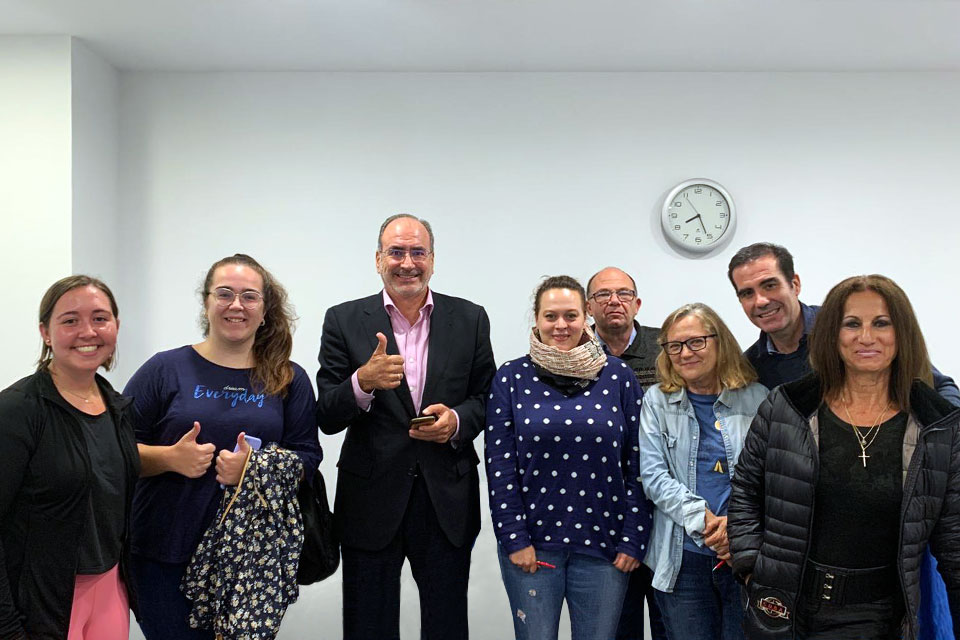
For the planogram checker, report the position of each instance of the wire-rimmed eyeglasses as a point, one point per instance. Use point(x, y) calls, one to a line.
point(249, 299)
point(417, 254)
point(603, 296)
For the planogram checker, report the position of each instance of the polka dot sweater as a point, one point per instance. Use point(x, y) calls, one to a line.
point(563, 471)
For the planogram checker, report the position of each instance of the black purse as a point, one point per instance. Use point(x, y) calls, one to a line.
point(320, 556)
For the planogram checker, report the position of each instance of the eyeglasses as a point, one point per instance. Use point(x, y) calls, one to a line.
point(624, 295)
point(225, 296)
point(417, 254)
point(697, 343)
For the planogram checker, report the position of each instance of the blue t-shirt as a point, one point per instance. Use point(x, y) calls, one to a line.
point(172, 390)
point(563, 471)
point(713, 473)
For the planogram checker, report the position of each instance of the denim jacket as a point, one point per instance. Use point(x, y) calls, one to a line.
point(668, 467)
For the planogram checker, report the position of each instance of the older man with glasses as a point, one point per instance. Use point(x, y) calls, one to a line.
point(405, 372)
point(613, 302)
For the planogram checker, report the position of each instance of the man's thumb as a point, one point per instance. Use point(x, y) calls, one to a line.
point(381, 345)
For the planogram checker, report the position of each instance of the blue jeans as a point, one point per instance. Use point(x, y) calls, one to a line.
point(592, 587)
point(631, 616)
point(705, 604)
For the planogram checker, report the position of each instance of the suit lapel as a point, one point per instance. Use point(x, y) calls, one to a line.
point(375, 319)
point(441, 341)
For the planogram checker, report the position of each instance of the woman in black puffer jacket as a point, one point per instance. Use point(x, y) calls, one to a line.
point(844, 478)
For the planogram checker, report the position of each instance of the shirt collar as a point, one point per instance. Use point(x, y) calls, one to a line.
point(809, 315)
point(633, 336)
point(425, 311)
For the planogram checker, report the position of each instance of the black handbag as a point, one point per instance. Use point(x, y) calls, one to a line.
point(321, 549)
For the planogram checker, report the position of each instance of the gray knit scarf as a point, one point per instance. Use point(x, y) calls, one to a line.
point(583, 361)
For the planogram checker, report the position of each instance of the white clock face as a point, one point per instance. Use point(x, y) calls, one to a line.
point(697, 214)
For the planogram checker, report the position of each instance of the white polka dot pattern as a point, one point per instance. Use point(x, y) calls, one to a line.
point(575, 458)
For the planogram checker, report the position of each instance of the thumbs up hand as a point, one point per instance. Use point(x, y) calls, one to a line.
point(381, 371)
point(230, 463)
point(189, 458)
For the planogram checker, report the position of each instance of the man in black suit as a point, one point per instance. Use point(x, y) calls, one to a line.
point(405, 489)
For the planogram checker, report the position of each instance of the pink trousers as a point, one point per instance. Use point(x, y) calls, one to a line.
point(100, 608)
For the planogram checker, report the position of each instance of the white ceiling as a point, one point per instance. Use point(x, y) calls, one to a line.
point(504, 35)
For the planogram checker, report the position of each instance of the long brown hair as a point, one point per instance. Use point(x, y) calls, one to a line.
point(49, 301)
point(733, 369)
point(911, 362)
point(272, 372)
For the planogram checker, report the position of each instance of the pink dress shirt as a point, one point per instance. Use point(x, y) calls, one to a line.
point(413, 342)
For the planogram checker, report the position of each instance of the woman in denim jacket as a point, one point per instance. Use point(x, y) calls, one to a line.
point(692, 427)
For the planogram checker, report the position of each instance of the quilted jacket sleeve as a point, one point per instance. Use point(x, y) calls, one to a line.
point(945, 541)
point(745, 511)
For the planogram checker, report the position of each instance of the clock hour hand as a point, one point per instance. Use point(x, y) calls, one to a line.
point(697, 217)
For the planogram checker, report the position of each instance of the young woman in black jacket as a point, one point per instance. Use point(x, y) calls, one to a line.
point(69, 467)
point(846, 476)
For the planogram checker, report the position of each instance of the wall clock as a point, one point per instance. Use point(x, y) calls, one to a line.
point(697, 215)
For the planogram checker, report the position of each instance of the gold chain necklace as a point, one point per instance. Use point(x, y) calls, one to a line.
point(862, 439)
point(87, 399)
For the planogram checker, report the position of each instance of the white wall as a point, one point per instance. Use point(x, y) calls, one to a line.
point(525, 175)
point(35, 207)
point(95, 108)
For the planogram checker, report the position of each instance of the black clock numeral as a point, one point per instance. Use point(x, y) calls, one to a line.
point(698, 240)
point(686, 235)
point(676, 227)
point(697, 190)
point(678, 204)
point(709, 236)
point(718, 226)
point(719, 203)
point(673, 214)
point(723, 215)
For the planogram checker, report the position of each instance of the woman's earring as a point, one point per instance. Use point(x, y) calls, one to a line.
point(263, 323)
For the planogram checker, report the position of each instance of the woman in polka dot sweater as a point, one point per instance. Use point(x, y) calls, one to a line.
point(562, 465)
point(692, 427)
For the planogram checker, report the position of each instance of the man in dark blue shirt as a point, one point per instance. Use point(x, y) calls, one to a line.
point(769, 291)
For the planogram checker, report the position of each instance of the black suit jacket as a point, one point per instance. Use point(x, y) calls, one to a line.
point(378, 457)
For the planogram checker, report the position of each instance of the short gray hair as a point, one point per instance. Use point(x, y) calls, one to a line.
point(397, 216)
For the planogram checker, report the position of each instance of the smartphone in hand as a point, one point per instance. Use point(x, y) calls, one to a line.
point(422, 421)
point(254, 442)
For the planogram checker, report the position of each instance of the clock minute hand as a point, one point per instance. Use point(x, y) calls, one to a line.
point(692, 206)
point(702, 226)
